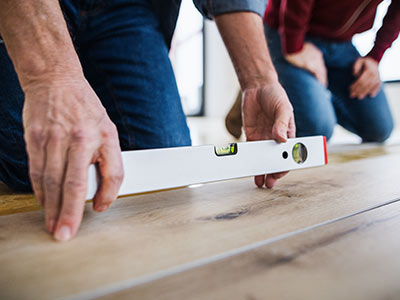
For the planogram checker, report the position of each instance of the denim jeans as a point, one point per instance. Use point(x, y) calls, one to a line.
point(318, 108)
point(125, 59)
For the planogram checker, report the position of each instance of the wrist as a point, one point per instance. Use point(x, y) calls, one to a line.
point(257, 81)
point(51, 70)
point(41, 61)
point(59, 78)
point(371, 59)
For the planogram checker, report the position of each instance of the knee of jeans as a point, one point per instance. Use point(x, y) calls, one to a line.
point(15, 176)
point(317, 126)
point(178, 138)
point(378, 133)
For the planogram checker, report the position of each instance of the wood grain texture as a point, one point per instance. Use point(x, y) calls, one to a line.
point(150, 233)
point(347, 153)
point(355, 258)
point(11, 202)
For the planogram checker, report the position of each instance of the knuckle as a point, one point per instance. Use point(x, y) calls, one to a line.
point(75, 184)
point(69, 215)
point(80, 135)
point(35, 175)
point(113, 128)
point(110, 132)
point(51, 182)
point(56, 133)
point(36, 135)
point(281, 123)
point(116, 178)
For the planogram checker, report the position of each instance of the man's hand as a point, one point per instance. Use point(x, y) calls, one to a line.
point(66, 126)
point(368, 81)
point(67, 129)
point(311, 59)
point(268, 114)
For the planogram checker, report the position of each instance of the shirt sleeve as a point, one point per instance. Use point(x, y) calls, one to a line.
point(212, 8)
point(388, 32)
point(294, 17)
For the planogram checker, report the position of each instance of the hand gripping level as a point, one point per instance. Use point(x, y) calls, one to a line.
point(158, 169)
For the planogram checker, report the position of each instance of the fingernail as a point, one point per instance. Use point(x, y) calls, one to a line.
point(102, 208)
point(282, 134)
point(63, 234)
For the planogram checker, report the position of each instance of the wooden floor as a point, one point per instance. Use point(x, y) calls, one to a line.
point(322, 233)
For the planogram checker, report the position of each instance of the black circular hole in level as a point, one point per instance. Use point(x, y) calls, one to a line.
point(285, 155)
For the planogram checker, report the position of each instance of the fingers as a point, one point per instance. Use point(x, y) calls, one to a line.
point(357, 67)
point(284, 127)
point(359, 86)
point(320, 72)
point(53, 177)
point(111, 170)
point(311, 59)
point(282, 124)
point(292, 128)
point(363, 86)
point(259, 180)
point(74, 191)
point(368, 81)
point(375, 89)
point(316, 65)
point(35, 143)
point(271, 179)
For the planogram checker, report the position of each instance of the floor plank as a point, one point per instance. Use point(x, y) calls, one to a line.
point(355, 258)
point(150, 233)
point(12, 202)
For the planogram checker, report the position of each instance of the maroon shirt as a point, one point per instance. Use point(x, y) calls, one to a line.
point(336, 20)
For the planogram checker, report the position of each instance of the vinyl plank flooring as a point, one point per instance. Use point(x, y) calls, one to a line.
point(11, 202)
point(151, 233)
point(354, 258)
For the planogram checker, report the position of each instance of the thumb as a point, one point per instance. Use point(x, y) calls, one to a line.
point(281, 125)
point(357, 67)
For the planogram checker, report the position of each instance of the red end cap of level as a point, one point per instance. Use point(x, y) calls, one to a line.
point(326, 152)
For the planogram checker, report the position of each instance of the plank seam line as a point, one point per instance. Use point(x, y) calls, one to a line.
point(147, 278)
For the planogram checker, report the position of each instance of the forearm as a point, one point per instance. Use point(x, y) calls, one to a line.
point(243, 34)
point(37, 39)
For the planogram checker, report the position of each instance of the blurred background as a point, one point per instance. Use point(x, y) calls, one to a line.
point(208, 85)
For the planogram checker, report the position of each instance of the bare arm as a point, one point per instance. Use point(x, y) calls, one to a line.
point(267, 112)
point(243, 34)
point(66, 127)
point(37, 39)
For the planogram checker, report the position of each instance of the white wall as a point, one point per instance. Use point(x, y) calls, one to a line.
point(389, 67)
point(187, 57)
point(221, 84)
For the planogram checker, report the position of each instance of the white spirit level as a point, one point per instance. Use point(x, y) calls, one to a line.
point(157, 169)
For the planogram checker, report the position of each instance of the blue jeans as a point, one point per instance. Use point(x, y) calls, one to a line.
point(125, 59)
point(318, 108)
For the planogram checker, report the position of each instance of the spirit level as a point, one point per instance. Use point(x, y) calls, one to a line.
point(157, 169)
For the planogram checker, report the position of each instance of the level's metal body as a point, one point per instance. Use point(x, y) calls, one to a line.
point(157, 169)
